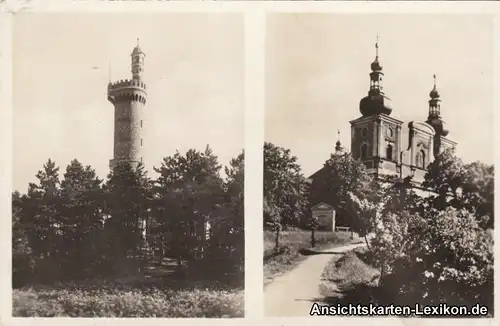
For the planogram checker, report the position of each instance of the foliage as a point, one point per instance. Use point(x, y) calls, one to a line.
point(285, 200)
point(127, 196)
point(341, 178)
point(112, 302)
point(76, 228)
point(79, 218)
point(463, 186)
point(436, 249)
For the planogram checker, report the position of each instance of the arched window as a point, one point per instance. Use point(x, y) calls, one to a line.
point(388, 152)
point(364, 151)
point(422, 159)
point(418, 159)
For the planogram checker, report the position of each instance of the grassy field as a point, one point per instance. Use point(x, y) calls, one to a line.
point(293, 242)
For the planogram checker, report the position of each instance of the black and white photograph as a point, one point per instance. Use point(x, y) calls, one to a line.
point(128, 164)
point(379, 165)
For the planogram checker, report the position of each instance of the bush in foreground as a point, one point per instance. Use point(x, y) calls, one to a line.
point(132, 303)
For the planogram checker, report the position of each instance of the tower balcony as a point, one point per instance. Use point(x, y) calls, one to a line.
point(127, 90)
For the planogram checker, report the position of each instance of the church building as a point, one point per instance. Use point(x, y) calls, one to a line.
point(385, 144)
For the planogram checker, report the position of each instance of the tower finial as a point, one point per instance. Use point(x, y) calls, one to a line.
point(338, 134)
point(376, 45)
point(137, 41)
point(434, 76)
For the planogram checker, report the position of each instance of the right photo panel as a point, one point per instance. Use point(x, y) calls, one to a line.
point(378, 165)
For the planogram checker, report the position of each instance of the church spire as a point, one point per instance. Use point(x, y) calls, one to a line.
point(434, 117)
point(376, 74)
point(338, 145)
point(434, 106)
point(376, 102)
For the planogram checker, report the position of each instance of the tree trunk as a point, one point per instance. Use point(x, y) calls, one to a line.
point(367, 244)
point(277, 239)
point(382, 275)
point(313, 239)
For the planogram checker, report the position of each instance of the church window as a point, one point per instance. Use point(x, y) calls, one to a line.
point(422, 159)
point(364, 151)
point(388, 152)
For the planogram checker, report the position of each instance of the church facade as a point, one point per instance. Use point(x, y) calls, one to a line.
point(387, 145)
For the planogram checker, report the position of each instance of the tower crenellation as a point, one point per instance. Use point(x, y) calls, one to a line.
point(129, 97)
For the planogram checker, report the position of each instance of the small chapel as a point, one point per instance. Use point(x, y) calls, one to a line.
point(385, 144)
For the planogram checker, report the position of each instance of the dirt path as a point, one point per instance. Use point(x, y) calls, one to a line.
point(294, 293)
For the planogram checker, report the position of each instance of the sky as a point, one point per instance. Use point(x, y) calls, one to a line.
point(318, 65)
point(194, 70)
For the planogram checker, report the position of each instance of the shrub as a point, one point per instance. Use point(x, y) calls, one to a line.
point(445, 257)
point(123, 303)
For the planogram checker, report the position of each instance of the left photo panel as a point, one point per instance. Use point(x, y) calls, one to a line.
point(128, 165)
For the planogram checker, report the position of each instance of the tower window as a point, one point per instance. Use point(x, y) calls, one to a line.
point(141, 123)
point(364, 132)
point(141, 141)
point(388, 152)
point(364, 151)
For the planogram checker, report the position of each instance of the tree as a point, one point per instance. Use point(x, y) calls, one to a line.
point(39, 211)
point(462, 186)
point(284, 189)
point(188, 190)
point(22, 261)
point(340, 180)
point(127, 200)
point(80, 217)
point(235, 190)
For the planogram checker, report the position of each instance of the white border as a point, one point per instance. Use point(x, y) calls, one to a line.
point(254, 98)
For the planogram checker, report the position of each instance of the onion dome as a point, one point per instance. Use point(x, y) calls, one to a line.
point(376, 66)
point(375, 104)
point(439, 125)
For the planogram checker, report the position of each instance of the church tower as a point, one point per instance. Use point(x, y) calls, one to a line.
point(376, 136)
point(129, 98)
point(434, 119)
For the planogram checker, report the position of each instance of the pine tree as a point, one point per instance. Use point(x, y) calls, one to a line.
point(80, 216)
point(187, 191)
point(127, 199)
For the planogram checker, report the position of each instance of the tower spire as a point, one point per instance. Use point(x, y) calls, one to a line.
point(376, 102)
point(137, 62)
point(434, 118)
point(338, 145)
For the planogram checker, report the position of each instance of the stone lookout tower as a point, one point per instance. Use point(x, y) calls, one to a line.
point(129, 98)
